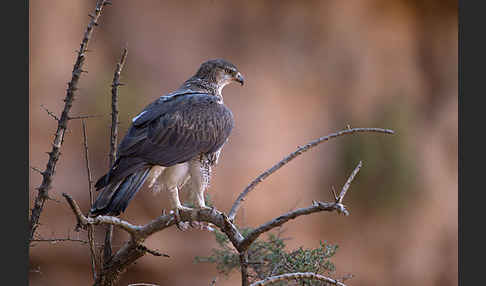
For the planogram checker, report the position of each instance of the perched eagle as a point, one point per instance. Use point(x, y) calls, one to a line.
point(178, 137)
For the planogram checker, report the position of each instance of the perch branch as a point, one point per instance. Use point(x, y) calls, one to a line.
point(293, 155)
point(48, 174)
point(300, 275)
point(84, 221)
point(133, 249)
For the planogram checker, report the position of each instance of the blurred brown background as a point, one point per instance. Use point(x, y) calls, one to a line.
point(311, 68)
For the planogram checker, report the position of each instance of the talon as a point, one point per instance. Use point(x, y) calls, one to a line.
point(181, 225)
point(195, 224)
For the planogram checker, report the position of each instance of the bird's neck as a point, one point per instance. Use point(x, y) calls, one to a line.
point(202, 85)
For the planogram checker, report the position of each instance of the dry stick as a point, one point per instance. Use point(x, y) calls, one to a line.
point(348, 183)
point(83, 221)
point(316, 207)
point(292, 276)
point(84, 116)
point(107, 251)
point(90, 188)
point(114, 106)
point(56, 240)
point(48, 174)
point(86, 155)
point(290, 157)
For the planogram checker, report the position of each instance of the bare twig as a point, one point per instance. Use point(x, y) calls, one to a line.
point(293, 155)
point(348, 183)
point(114, 106)
point(84, 116)
point(90, 189)
point(152, 251)
point(48, 174)
point(107, 251)
point(88, 170)
point(50, 113)
point(292, 276)
point(56, 240)
point(316, 207)
point(83, 221)
point(37, 170)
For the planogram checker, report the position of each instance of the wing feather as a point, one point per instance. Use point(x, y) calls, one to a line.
point(175, 129)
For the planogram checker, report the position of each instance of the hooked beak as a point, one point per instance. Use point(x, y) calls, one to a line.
point(239, 78)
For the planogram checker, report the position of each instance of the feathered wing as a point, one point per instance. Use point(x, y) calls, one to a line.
point(171, 130)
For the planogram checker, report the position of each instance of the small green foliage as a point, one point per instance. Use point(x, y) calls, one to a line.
point(269, 257)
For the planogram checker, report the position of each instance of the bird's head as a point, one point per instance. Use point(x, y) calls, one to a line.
point(219, 72)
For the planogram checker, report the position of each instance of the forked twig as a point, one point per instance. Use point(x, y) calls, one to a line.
point(293, 155)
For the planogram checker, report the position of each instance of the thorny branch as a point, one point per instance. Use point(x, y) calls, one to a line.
point(92, 247)
point(107, 251)
point(56, 240)
point(47, 175)
point(290, 157)
point(114, 106)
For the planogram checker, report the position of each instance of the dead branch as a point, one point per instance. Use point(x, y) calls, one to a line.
point(84, 116)
point(133, 249)
point(56, 240)
point(107, 248)
point(316, 207)
point(114, 106)
point(91, 230)
point(294, 276)
point(48, 174)
point(348, 183)
point(51, 114)
point(86, 156)
point(293, 155)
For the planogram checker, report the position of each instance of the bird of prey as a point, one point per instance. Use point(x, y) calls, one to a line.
point(176, 138)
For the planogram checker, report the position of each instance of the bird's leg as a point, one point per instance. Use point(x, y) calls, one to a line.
point(175, 204)
point(173, 177)
point(200, 173)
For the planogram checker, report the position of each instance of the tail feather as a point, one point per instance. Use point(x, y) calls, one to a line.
point(114, 198)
